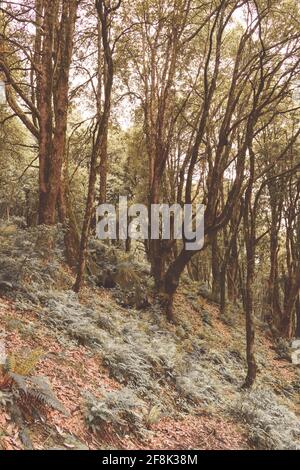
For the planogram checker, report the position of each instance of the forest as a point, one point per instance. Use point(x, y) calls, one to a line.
point(142, 342)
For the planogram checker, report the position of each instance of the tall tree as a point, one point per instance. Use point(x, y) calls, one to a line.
point(99, 149)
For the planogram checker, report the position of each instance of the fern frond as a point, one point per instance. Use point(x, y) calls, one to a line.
point(25, 365)
point(127, 275)
point(40, 389)
point(10, 364)
point(19, 381)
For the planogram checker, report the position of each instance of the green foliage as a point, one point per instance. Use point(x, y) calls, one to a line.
point(112, 268)
point(271, 424)
point(119, 411)
point(26, 263)
point(18, 190)
point(28, 394)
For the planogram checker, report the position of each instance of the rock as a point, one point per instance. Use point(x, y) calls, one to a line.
point(289, 351)
point(295, 357)
point(295, 344)
point(282, 348)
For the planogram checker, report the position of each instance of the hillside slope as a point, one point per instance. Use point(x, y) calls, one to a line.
point(127, 378)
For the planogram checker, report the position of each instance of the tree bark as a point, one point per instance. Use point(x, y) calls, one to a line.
point(99, 145)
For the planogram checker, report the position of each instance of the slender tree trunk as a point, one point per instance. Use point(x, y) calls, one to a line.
point(250, 329)
point(232, 274)
point(87, 220)
point(68, 219)
point(103, 171)
point(223, 291)
point(215, 268)
point(288, 322)
point(297, 329)
point(47, 204)
point(99, 146)
point(250, 242)
point(276, 201)
point(156, 252)
point(230, 246)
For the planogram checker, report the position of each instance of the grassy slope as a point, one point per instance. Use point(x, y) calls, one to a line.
point(139, 382)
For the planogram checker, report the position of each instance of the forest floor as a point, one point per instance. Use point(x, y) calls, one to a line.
point(130, 380)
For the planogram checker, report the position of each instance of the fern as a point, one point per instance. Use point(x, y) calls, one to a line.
point(22, 364)
point(29, 395)
point(127, 275)
point(116, 411)
point(10, 364)
point(25, 365)
point(40, 389)
point(18, 380)
point(153, 415)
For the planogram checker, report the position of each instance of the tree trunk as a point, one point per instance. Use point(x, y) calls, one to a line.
point(53, 102)
point(100, 143)
point(87, 221)
point(215, 268)
point(223, 290)
point(250, 242)
point(68, 219)
point(250, 329)
point(171, 280)
point(297, 329)
point(103, 171)
point(232, 274)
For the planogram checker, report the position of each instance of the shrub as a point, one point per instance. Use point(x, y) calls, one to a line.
point(119, 411)
point(24, 395)
point(272, 426)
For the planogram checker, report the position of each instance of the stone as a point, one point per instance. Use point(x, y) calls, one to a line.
point(295, 344)
point(295, 357)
